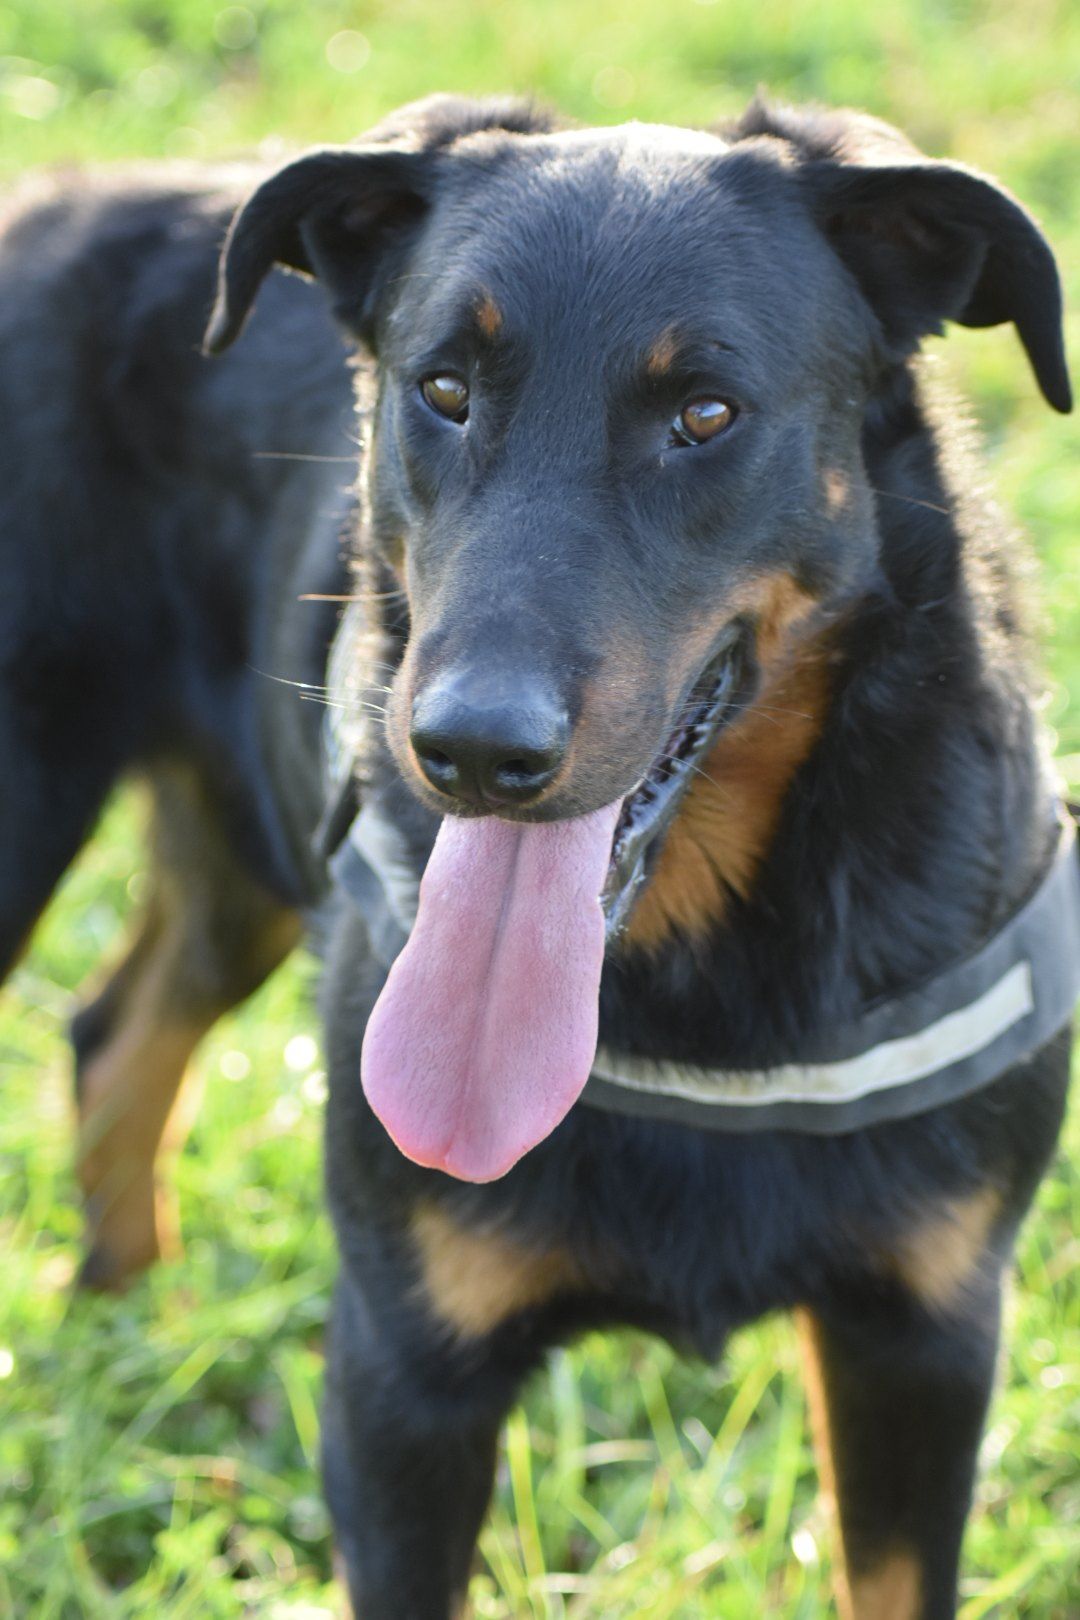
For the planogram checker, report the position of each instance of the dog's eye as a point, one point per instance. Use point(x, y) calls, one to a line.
point(447, 395)
point(702, 420)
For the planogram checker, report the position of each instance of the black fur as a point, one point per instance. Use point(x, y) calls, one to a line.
point(822, 249)
point(149, 535)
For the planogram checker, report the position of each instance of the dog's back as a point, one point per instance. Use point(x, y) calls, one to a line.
point(159, 518)
point(150, 505)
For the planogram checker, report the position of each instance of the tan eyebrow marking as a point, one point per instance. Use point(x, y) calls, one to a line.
point(489, 316)
point(836, 491)
point(661, 356)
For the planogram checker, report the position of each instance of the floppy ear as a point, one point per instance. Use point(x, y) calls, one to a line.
point(341, 213)
point(927, 241)
point(933, 242)
point(335, 214)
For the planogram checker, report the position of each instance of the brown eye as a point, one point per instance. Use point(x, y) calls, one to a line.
point(447, 395)
point(702, 420)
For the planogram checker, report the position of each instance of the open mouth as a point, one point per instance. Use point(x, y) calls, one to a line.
point(650, 808)
point(486, 1029)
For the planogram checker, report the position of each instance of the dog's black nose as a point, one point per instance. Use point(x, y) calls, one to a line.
point(486, 748)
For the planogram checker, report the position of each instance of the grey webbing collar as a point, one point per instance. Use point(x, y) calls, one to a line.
point(933, 1044)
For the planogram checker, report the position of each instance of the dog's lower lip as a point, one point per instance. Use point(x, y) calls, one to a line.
point(650, 807)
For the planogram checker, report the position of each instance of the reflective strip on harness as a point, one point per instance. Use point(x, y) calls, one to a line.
point(938, 1042)
point(957, 1036)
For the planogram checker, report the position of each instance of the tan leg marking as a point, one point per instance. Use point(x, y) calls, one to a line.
point(133, 1109)
point(809, 1336)
point(940, 1259)
point(891, 1591)
point(129, 1117)
point(474, 1280)
point(346, 1609)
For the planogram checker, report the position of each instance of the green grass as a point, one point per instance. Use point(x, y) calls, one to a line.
point(157, 1452)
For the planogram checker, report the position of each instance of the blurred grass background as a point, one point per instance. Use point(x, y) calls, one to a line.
point(157, 1453)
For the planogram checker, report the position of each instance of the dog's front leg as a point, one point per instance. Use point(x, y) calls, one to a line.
point(411, 1421)
point(898, 1396)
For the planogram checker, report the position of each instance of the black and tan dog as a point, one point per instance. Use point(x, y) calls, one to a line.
point(675, 591)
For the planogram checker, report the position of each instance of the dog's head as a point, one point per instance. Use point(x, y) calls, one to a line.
point(616, 454)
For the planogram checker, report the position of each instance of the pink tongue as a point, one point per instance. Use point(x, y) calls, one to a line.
point(485, 1032)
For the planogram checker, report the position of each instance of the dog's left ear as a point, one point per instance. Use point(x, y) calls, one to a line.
point(928, 241)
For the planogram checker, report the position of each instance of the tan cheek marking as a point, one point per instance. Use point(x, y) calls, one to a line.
point(489, 316)
point(727, 823)
point(661, 356)
point(891, 1591)
point(940, 1259)
point(780, 605)
point(474, 1280)
point(730, 814)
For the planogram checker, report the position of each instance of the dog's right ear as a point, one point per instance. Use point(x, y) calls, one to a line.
point(336, 214)
point(343, 213)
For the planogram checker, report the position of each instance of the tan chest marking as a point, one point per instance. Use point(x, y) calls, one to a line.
point(473, 1280)
point(941, 1259)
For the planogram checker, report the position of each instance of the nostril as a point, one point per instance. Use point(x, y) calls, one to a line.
point(524, 774)
point(440, 770)
point(488, 754)
point(432, 756)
